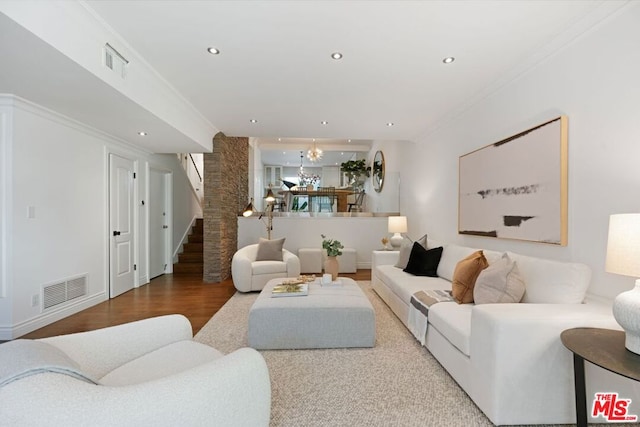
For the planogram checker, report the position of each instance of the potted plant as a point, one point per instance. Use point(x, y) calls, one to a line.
point(355, 169)
point(333, 248)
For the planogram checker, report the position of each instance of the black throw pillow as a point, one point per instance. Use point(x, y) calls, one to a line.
point(423, 262)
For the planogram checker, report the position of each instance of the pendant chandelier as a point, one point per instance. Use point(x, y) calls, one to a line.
point(314, 154)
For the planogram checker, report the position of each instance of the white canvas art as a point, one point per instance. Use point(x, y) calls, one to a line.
point(517, 188)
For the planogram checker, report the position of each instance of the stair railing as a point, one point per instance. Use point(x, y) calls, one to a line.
point(193, 164)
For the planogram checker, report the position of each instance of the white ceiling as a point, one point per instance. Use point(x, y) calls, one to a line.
point(275, 63)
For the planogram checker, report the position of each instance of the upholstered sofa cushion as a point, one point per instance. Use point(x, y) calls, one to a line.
point(453, 321)
point(404, 284)
point(465, 275)
point(268, 267)
point(270, 250)
point(171, 359)
point(552, 282)
point(499, 283)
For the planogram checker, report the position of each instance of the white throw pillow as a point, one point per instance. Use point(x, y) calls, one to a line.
point(499, 283)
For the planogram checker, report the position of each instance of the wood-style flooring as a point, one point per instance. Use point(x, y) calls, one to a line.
point(185, 294)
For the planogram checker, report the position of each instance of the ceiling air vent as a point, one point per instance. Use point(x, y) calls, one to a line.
point(63, 291)
point(114, 61)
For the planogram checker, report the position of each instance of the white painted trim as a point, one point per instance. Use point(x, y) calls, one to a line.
point(6, 194)
point(168, 176)
point(46, 113)
point(185, 237)
point(22, 328)
point(169, 190)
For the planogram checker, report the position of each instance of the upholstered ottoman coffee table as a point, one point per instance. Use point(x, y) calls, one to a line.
point(328, 317)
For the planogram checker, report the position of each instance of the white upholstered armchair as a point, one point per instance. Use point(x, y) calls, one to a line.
point(148, 373)
point(251, 275)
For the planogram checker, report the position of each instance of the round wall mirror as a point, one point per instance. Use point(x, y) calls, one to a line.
point(378, 171)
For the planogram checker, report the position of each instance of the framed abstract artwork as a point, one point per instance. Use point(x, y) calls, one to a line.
point(517, 188)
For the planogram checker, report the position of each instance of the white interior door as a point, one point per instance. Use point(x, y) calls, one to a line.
point(121, 211)
point(158, 223)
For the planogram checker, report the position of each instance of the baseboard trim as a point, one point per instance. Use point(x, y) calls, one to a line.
point(22, 328)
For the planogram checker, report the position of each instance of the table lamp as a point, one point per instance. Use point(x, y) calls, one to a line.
point(623, 257)
point(397, 225)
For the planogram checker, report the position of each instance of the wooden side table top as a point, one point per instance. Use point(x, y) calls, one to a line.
point(605, 348)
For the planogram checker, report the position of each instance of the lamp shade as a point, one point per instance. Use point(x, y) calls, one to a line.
point(270, 197)
point(397, 224)
point(623, 245)
point(248, 211)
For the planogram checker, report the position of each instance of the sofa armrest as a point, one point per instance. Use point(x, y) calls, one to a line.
point(384, 258)
point(241, 271)
point(100, 351)
point(233, 390)
point(520, 362)
point(293, 263)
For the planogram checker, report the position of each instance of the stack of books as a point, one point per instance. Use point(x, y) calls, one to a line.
point(290, 289)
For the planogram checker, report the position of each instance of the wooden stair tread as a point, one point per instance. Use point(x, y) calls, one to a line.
point(191, 259)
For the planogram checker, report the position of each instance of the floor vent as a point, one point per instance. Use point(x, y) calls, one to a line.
point(61, 292)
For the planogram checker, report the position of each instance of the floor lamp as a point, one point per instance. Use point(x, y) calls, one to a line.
point(249, 210)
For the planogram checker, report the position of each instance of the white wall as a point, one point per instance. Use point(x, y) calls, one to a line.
point(388, 200)
point(594, 81)
point(364, 234)
point(60, 170)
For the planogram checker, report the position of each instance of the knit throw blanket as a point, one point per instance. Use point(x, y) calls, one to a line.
point(419, 310)
point(23, 358)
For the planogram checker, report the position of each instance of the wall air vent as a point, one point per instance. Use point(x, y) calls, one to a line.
point(114, 61)
point(66, 290)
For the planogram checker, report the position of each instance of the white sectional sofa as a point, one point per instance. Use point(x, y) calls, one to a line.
point(507, 357)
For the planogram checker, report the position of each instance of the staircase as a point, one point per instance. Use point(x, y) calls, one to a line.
point(190, 261)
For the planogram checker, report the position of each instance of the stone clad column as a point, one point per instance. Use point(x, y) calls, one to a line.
point(226, 191)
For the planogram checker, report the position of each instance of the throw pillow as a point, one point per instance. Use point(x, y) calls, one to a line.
point(405, 252)
point(499, 283)
point(423, 262)
point(465, 275)
point(270, 250)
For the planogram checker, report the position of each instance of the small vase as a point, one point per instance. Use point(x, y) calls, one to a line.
point(331, 267)
point(310, 187)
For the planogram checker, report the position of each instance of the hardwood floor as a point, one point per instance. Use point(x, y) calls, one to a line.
point(185, 294)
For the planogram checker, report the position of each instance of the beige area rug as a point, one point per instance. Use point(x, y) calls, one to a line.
point(396, 383)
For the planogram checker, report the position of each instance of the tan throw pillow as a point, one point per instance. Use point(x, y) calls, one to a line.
point(499, 283)
point(270, 250)
point(465, 275)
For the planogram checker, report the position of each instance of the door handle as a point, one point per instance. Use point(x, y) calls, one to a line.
point(116, 233)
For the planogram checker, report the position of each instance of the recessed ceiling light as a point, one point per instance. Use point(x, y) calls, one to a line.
point(142, 133)
point(279, 139)
point(448, 59)
point(390, 124)
point(213, 50)
point(348, 140)
point(336, 55)
point(253, 120)
point(324, 122)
